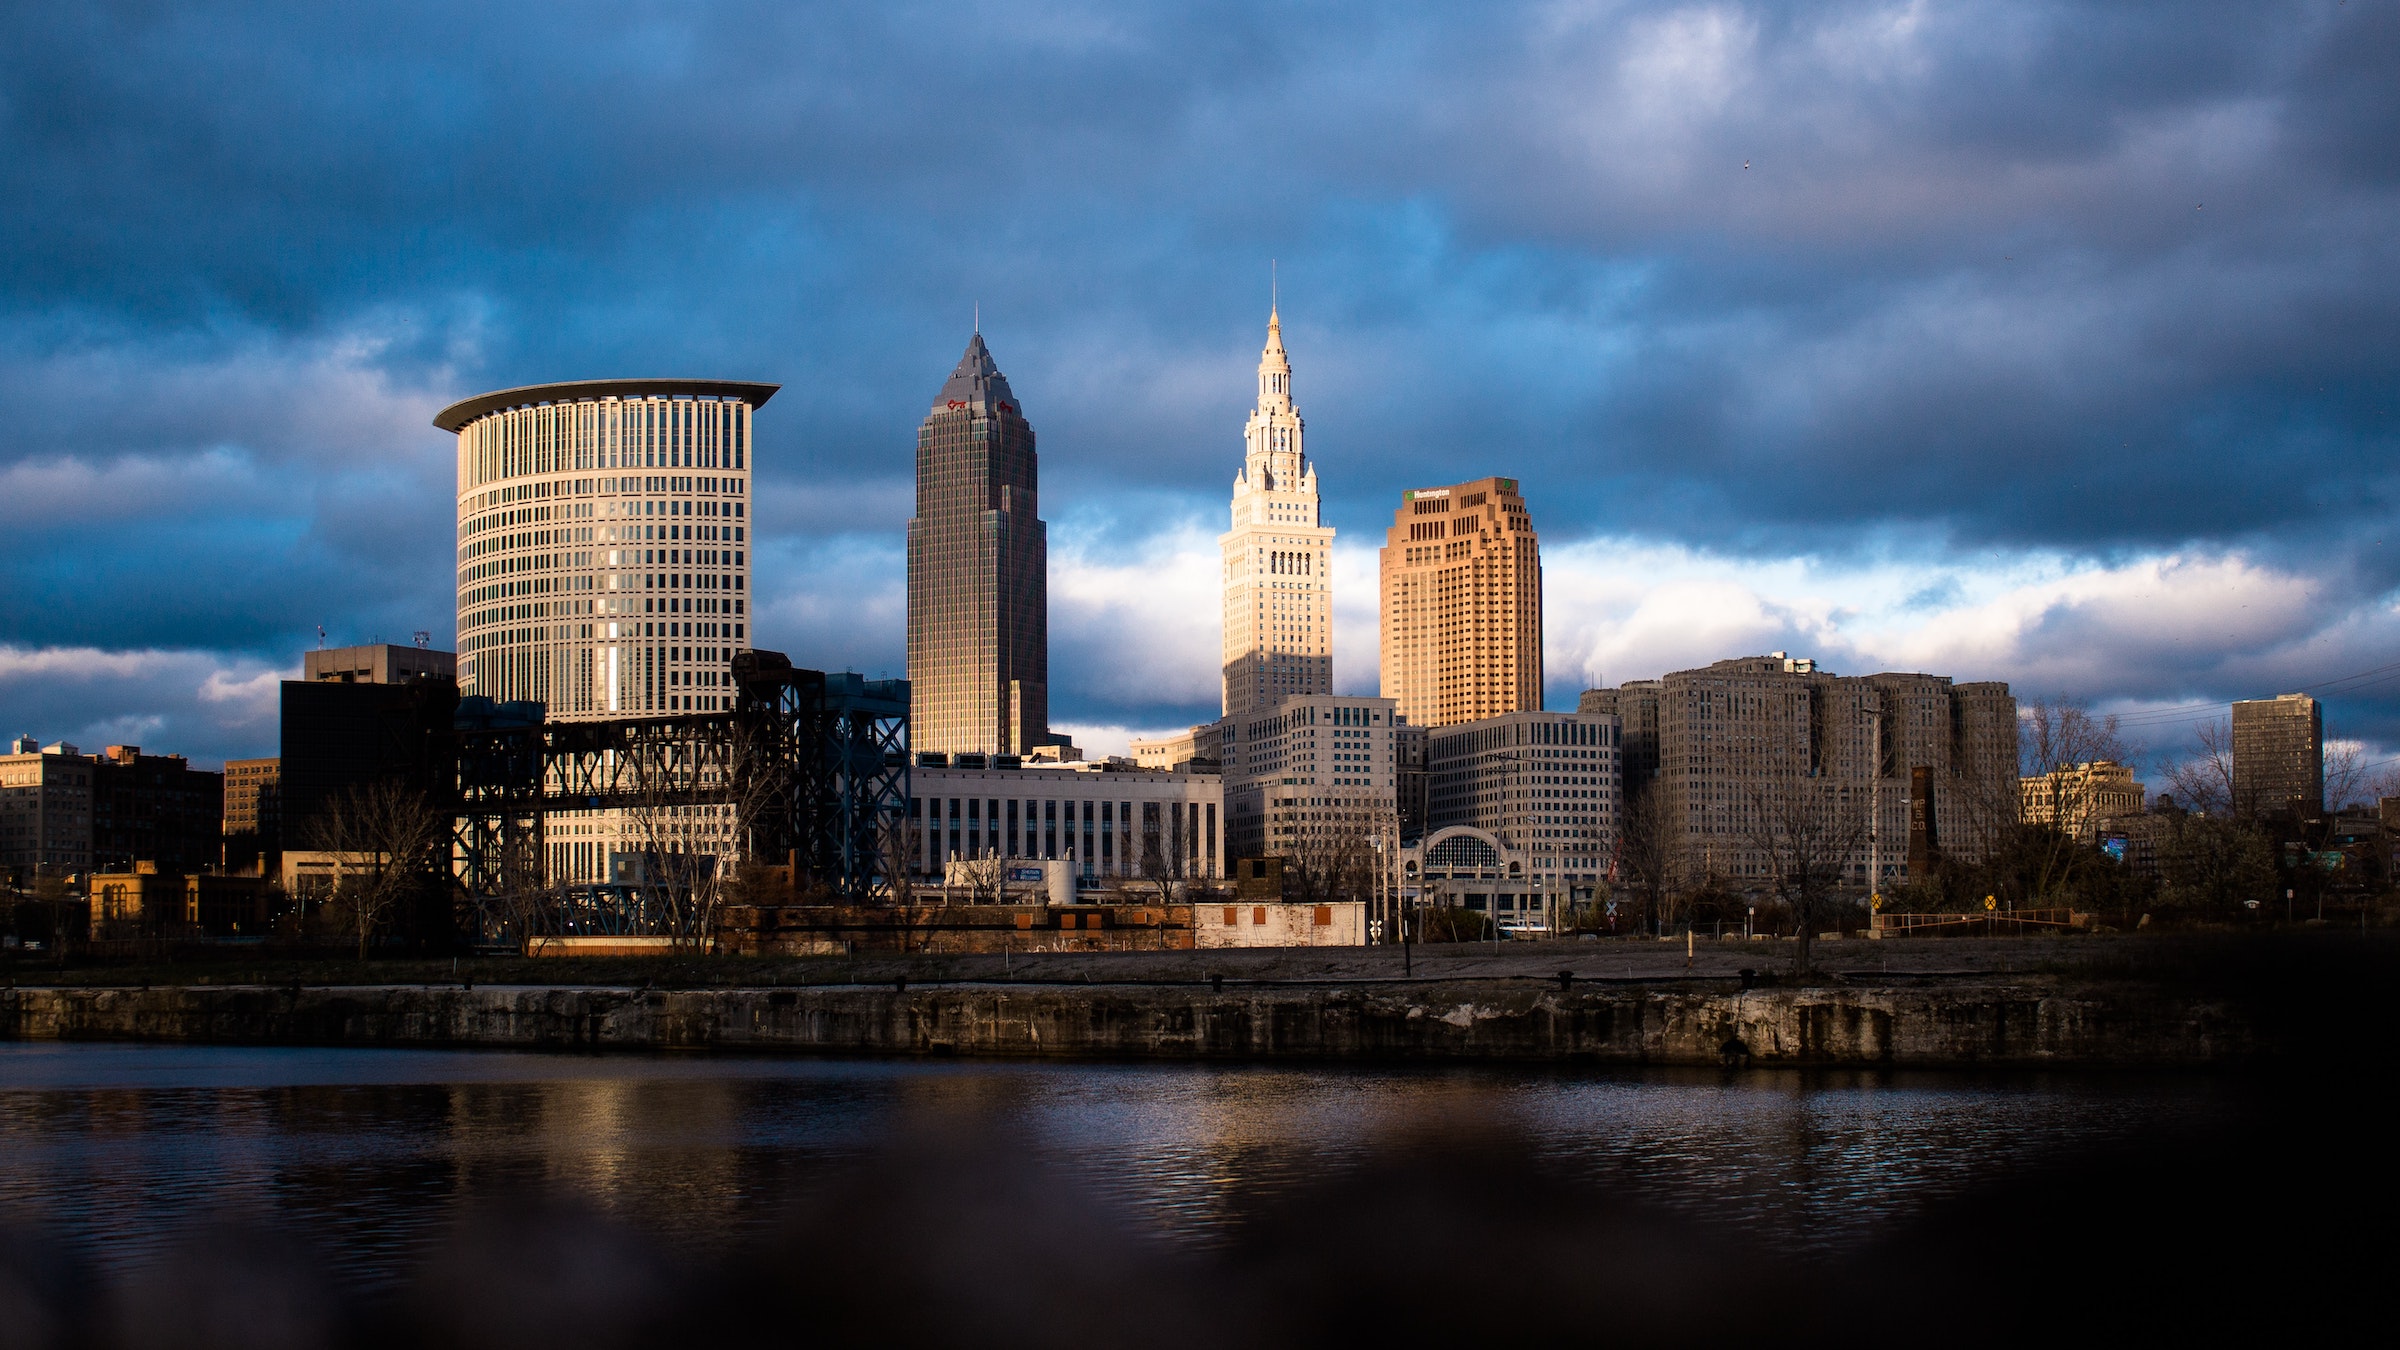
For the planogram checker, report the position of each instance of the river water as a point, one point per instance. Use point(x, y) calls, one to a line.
point(367, 1155)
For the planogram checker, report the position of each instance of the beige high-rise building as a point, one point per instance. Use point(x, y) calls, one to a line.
point(1462, 604)
point(1740, 741)
point(1278, 587)
point(2077, 797)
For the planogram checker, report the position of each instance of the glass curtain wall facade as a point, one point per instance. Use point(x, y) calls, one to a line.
point(603, 543)
point(604, 561)
point(978, 572)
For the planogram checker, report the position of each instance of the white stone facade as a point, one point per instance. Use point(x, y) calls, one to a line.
point(1278, 636)
point(1308, 768)
point(1109, 823)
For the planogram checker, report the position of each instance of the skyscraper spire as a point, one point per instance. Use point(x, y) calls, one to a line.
point(1278, 596)
point(1275, 369)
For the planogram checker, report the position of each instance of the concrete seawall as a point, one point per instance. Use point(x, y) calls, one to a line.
point(2013, 1022)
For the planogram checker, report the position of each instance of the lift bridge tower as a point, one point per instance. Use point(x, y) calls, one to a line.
point(807, 768)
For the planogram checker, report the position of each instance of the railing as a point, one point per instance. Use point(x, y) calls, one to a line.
point(1980, 921)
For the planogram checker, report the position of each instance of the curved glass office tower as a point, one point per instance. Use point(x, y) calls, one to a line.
point(603, 543)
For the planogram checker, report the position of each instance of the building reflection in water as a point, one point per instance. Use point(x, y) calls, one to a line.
point(371, 1155)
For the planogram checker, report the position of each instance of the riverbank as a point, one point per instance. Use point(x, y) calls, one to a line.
point(1980, 1022)
point(2169, 956)
point(2195, 1001)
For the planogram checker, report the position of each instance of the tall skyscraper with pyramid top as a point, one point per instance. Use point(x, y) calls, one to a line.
point(978, 572)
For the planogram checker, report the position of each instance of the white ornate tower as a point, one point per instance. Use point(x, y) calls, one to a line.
point(1278, 594)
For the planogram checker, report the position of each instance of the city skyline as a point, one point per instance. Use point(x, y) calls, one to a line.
point(1989, 383)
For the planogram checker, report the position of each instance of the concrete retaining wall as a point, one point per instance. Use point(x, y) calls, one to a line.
point(2017, 1022)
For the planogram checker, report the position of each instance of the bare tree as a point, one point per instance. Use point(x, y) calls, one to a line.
point(1337, 863)
point(385, 839)
point(2203, 780)
point(2345, 775)
point(1649, 851)
point(2377, 783)
point(1809, 833)
point(2059, 733)
point(898, 841)
point(985, 876)
point(1162, 860)
point(693, 810)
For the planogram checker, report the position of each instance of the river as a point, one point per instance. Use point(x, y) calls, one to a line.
point(367, 1155)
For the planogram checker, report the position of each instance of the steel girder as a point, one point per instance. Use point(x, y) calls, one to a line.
point(815, 764)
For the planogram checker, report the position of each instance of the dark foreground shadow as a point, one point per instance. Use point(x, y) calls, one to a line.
point(2271, 1224)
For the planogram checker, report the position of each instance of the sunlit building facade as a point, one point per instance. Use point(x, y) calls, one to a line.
point(604, 557)
point(1462, 604)
point(2279, 756)
point(603, 543)
point(1278, 634)
point(978, 572)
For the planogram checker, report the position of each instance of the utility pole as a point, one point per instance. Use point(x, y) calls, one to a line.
point(1875, 820)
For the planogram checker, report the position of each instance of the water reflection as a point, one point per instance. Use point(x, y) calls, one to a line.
point(371, 1154)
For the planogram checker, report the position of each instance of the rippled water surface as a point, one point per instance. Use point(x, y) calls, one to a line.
point(367, 1153)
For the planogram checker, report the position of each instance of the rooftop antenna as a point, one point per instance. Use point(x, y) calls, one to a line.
point(320, 637)
point(979, 317)
point(1274, 286)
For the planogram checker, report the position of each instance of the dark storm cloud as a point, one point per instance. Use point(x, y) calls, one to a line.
point(1770, 279)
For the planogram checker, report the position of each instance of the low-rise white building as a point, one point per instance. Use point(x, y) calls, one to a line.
point(1110, 821)
point(1279, 923)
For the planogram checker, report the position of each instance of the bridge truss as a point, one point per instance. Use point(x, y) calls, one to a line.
point(807, 768)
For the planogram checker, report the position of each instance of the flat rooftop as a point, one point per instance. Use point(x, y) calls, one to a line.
point(466, 410)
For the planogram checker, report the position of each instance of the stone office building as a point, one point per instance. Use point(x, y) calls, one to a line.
point(158, 810)
point(1312, 768)
point(1542, 785)
point(1635, 706)
point(1744, 743)
point(253, 816)
point(1111, 823)
point(45, 811)
point(2077, 797)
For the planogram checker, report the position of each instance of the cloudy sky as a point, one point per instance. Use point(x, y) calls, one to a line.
point(2051, 343)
